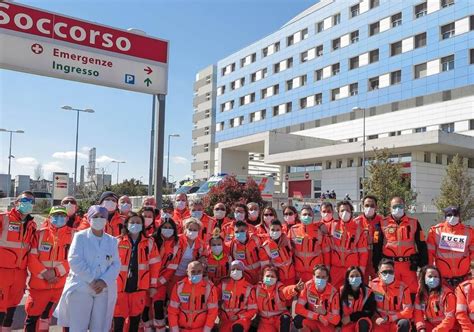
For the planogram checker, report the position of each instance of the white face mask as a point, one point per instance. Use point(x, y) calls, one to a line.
point(70, 209)
point(268, 219)
point(192, 235)
point(236, 274)
point(453, 221)
point(148, 222)
point(125, 208)
point(398, 213)
point(387, 278)
point(167, 232)
point(180, 205)
point(217, 250)
point(253, 215)
point(111, 206)
point(135, 228)
point(219, 214)
point(165, 215)
point(326, 216)
point(369, 212)
point(275, 235)
point(345, 216)
point(239, 216)
point(289, 219)
point(98, 223)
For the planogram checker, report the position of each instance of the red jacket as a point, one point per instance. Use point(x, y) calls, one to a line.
point(208, 225)
point(16, 238)
point(49, 251)
point(237, 298)
point(310, 297)
point(179, 216)
point(437, 309)
point(393, 301)
point(218, 268)
point(279, 254)
point(271, 300)
point(170, 254)
point(247, 253)
point(465, 305)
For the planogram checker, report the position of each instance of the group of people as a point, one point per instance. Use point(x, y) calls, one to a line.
point(239, 269)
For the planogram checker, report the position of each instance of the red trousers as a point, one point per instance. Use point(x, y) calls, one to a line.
point(12, 287)
point(269, 324)
point(38, 299)
point(337, 276)
point(130, 304)
point(226, 325)
point(316, 326)
point(353, 327)
point(408, 277)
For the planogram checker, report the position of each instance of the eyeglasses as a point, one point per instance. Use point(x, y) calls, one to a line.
point(219, 209)
point(387, 272)
point(268, 215)
point(288, 214)
point(398, 206)
point(67, 202)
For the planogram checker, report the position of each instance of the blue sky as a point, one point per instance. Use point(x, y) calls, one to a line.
point(200, 31)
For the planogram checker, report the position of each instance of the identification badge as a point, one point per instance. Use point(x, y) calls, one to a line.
point(45, 247)
point(211, 268)
point(226, 296)
point(392, 230)
point(378, 297)
point(124, 246)
point(274, 253)
point(240, 255)
point(14, 228)
point(337, 234)
point(312, 299)
point(184, 297)
point(453, 242)
point(299, 240)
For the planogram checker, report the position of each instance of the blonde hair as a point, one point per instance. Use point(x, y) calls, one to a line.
point(190, 221)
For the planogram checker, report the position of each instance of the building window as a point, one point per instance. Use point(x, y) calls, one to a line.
point(335, 93)
point(471, 124)
point(373, 83)
point(427, 157)
point(394, 133)
point(354, 62)
point(470, 162)
point(335, 69)
point(396, 20)
point(350, 162)
point(420, 10)
point(420, 40)
point(374, 56)
point(318, 100)
point(336, 19)
point(420, 130)
point(439, 159)
point(374, 28)
point(269, 50)
point(396, 48)
point(354, 89)
point(354, 36)
point(354, 10)
point(447, 3)
point(319, 50)
point(374, 3)
point(320, 27)
point(318, 75)
point(447, 63)
point(328, 164)
point(395, 77)
point(372, 137)
point(336, 43)
point(258, 75)
point(420, 70)
point(448, 31)
point(447, 127)
point(290, 40)
point(338, 163)
point(471, 56)
point(471, 22)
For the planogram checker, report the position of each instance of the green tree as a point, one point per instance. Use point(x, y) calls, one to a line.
point(386, 180)
point(130, 187)
point(456, 189)
point(230, 191)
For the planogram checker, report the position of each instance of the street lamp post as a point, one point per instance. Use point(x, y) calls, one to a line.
point(355, 109)
point(168, 161)
point(87, 110)
point(118, 167)
point(10, 156)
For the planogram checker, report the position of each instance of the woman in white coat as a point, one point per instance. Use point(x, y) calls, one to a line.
point(89, 296)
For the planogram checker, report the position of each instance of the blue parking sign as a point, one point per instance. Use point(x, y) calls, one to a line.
point(129, 79)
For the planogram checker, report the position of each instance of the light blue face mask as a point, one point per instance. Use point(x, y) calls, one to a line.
point(320, 283)
point(196, 278)
point(197, 214)
point(306, 219)
point(432, 282)
point(241, 236)
point(355, 281)
point(58, 221)
point(25, 207)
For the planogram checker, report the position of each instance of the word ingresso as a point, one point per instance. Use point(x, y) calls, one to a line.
point(66, 69)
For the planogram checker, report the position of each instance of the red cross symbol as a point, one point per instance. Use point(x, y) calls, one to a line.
point(37, 48)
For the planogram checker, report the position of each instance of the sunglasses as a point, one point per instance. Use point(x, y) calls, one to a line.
point(219, 209)
point(399, 206)
point(451, 215)
point(387, 272)
point(288, 214)
point(268, 215)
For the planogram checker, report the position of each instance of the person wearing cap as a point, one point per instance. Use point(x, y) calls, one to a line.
point(238, 304)
point(73, 219)
point(451, 247)
point(17, 231)
point(181, 210)
point(48, 267)
point(89, 295)
point(114, 224)
point(124, 206)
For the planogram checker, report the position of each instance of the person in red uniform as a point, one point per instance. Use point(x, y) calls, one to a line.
point(166, 239)
point(238, 304)
point(263, 229)
point(309, 243)
point(138, 276)
point(402, 240)
point(114, 223)
point(124, 206)
point(276, 250)
point(271, 297)
point(317, 308)
point(327, 213)
point(223, 222)
point(73, 218)
point(17, 231)
point(465, 303)
point(181, 211)
point(347, 243)
point(48, 267)
point(149, 216)
point(193, 303)
point(435, 303)
point(357, 302)
point(196, 207)
point(290, 216)
point(393, 299)
point(253, 213)
point(219, 259)
point(244, 247)
point(451, 247)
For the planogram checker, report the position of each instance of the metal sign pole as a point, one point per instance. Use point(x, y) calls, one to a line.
point(152, 148)
point(159, 149)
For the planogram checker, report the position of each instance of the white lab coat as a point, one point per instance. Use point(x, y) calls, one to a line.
point(89, 261)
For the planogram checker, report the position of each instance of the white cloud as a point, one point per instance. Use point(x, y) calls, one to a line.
point(179, 160)
point(53, 166)
point(27, 161)
point(104, 159)
point(69, 155)
point(86, 149)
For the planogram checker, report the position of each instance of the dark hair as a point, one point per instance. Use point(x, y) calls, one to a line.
point(240, 223)
point(322, 267)
point(346, 203)
point(130, 216)
point(386, 261)
point(422, 289)
point(243, 206)
point(149, 209)
point(370, 197)
point(400, 198)
point(276, 222)
point(327, 204)
point(272, 268)
point(293, 209)
point(157, 234)
point(347, 288)
point(307, 207)
point(27, 192)
point(275, 215)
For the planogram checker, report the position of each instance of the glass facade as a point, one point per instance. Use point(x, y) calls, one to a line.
point(397, 49)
